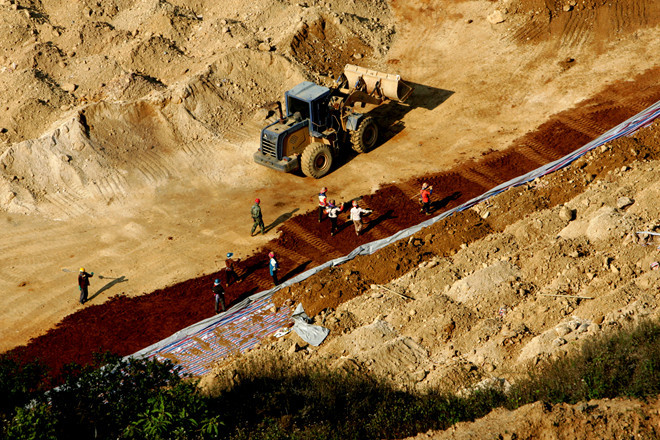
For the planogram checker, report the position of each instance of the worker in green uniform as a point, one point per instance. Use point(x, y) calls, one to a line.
point(256, 218)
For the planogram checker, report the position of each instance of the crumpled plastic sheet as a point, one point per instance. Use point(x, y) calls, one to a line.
point(308, 332)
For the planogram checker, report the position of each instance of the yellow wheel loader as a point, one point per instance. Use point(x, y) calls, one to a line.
point(319, 122)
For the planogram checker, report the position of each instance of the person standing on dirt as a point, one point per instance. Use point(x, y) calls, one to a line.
point(323, 202)
point(356, 214)
point(230, 271)
point(219, 296)
point(273, 267)
point(83, 284)
point(425, 198)
point(257, 218)
point(333, 211)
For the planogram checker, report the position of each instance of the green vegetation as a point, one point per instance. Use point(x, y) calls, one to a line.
point(18, 384)
point(623, 364)
point(274, 399)
point(279, 400)
point(137, 399)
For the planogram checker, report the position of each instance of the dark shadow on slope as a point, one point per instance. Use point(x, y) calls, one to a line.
point(281, 219)
point(121, 279)
point(439, 204)
point(375, 222)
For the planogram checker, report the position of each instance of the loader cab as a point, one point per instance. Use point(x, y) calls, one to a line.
point(306, 116)
point(310, 101)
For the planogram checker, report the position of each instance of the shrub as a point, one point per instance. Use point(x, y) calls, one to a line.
point(18, 384)
point(275, 399)
point(624, 363)
point(134, 398)
point(36, 423)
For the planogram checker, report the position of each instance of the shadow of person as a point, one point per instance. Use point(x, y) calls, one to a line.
point(241, 296)
point(281, 219)
point(114, 281)
point(253, 267)
point(295, 271)
point(345, 224)
point(375, 222)
point(439, 204)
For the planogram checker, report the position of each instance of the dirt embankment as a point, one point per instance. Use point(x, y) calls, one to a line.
point(490, 292)
point(616, 418)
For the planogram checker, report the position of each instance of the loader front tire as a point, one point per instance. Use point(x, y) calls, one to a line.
point(316, 160)
point(366, 135)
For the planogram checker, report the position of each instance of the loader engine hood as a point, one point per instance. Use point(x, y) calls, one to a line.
point(272, 135)
point(303, 108)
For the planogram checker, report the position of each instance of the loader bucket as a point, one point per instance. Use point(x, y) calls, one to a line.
point(391, 86)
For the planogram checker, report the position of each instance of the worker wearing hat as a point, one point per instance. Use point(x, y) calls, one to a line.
point(356, 214)
point(333, 211)
point(425, 198)
point(257, 218)
point(218, 295)
point(273, 267)
point(323, 202)
point(83, 284)
point(230, 271)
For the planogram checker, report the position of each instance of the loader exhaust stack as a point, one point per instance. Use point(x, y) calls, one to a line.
point(278, 105)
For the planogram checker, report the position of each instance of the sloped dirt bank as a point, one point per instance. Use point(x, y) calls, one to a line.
point(561, 262)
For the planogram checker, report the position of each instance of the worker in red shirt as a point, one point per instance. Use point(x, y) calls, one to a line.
point(425, 198)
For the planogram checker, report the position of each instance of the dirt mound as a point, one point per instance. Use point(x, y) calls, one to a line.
point(573, 24)
point(615, 418)
point(110, 150)
point(62, 56)
point(321, 47)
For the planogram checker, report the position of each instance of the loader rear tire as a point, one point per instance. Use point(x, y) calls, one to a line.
point(366, 135)
point(316, 160)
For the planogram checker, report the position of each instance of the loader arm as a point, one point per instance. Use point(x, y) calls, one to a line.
point(353, 98)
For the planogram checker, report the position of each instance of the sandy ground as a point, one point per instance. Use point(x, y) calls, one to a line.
point(129, 153)
point(181, 224)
